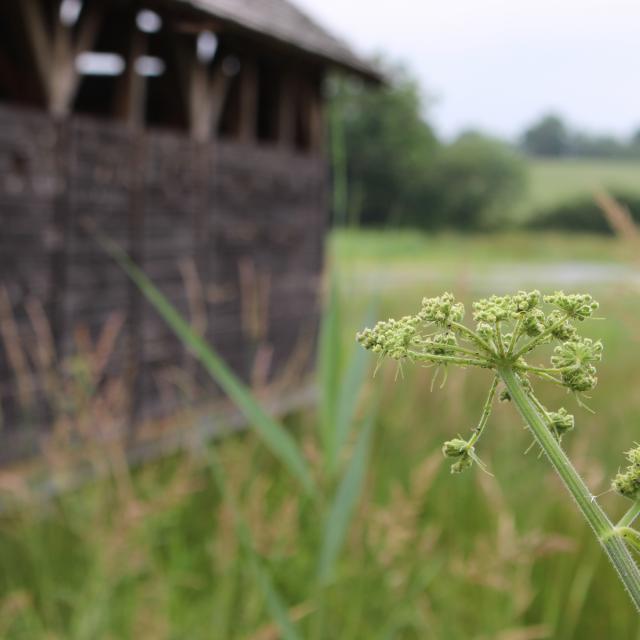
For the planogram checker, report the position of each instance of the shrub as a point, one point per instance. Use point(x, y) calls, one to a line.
point(582, 214)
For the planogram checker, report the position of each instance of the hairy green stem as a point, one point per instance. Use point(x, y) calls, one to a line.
point(613, 545)
point(629, 518)
point(432, 357)
point(486, 412)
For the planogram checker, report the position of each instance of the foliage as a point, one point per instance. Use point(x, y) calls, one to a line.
point(389, 147)
point(509, 329)
point(548, 137)
point(390, 169)
point(475, 182)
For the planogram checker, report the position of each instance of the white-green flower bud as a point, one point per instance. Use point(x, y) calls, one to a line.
point(462, 464)
point(441, 310)
point(455, 448)
point(578, 306)
point(627, 482)
point(561, 422)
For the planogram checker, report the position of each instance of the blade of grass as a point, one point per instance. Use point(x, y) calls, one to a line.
point(347, 401)
point(342, 507)
point(273, 434)
point(329, 367)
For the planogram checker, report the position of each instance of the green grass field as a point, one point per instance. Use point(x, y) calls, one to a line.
point(157, 554)
point(552, 182)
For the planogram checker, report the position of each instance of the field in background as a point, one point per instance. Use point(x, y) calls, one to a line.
point(428, 556)
point(553, 182)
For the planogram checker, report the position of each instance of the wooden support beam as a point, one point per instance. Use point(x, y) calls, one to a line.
point(205, 90)
point(248, 116)
point(36, 32)
point(55, 53)
point(131, 96)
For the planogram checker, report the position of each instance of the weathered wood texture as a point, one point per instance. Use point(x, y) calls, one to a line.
point(231, 233)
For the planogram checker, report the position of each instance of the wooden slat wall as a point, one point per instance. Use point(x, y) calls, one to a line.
point(244, 225)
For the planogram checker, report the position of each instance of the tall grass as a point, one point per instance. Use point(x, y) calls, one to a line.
point(229, 542)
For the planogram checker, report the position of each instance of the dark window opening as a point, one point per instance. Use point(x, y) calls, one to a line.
point(302, 134)
point(269, 87)
point(96, 94)
point(19, 82)
point(164, 103)
point(230, 120)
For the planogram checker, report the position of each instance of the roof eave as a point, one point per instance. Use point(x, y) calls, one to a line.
point(351, 64)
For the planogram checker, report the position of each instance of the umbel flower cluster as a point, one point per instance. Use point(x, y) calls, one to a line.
point(627, 482)
point(508, 329)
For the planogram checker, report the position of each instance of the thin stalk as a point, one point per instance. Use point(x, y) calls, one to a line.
point(538, 339)
point(432, 357)
point(629, 518)
point(612, 544)
point(486, 412)
point(499, 340)
point(515, 336)
point(473, 336)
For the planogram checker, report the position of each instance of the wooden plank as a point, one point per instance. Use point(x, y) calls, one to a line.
point(131, 96)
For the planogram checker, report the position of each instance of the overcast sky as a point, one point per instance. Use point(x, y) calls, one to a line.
point(499, 64)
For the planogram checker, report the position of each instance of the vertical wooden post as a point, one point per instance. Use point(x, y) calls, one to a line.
point(55, 53)
point(39, 40)
point(204, 90)
point(131, 99)
point(199, 103)
point(248, 121)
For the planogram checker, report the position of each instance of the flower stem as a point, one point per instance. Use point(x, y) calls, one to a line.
point(612, 544)
point(628, 518)
point(486, 412)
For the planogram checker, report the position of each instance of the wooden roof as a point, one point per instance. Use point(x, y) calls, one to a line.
point(282, 21)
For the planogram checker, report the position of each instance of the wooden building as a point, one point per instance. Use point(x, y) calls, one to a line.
point(189, 131)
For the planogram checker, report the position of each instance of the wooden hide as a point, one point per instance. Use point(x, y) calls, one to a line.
point(234, 239)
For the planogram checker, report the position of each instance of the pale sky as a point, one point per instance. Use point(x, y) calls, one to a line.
point(499, 64)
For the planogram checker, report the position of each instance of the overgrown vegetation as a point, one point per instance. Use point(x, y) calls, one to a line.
point(156, 553)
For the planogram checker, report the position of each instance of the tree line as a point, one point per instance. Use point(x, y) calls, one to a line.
point(391, 168)
point(552, 137)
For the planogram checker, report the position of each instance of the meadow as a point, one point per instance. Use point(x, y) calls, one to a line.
point(226, 543)
point(551, 182)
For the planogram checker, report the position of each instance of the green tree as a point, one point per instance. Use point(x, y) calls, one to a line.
point(382, 148)
point(547, 137)
point(475, 182)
